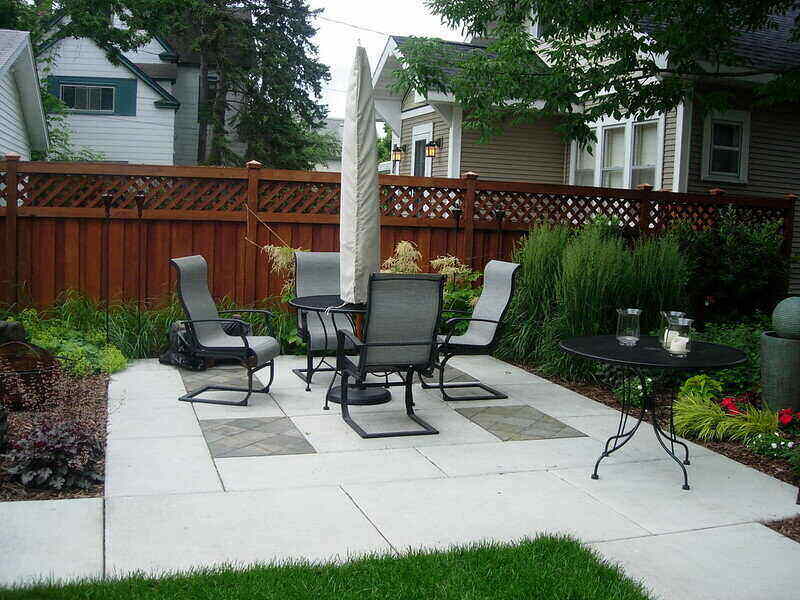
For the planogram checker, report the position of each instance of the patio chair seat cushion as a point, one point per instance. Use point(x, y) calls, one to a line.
point(264, 347)
point(322, 327)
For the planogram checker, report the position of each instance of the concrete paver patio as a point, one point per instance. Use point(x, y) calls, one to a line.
point(170, 505)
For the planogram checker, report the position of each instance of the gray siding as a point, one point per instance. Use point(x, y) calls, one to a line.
point(774, 168)
point(13, 135)
point(668, 163)
point(187, 89)
point(440, 130)
point(531, 152)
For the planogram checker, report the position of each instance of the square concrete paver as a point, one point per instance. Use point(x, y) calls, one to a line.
point(44, 539)
point(518, 422)
point(276, 472)
point(189, 531)
point(175, 465)
point(742, 562)
point(437, 513)
point(723, 492)
point(256, 436)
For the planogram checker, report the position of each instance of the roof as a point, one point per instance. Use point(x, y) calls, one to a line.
point(767, 48)
point(456, 51)
point(16, 52)
point(160, 70)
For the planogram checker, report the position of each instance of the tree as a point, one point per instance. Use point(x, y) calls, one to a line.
point(385, 144)
point(592, 59)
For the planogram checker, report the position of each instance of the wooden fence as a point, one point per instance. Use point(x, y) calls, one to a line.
point(109, 229)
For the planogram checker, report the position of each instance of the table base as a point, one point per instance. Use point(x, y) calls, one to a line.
point(358, 396)
point(615, 442)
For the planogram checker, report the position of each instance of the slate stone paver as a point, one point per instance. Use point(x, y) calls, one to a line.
point(450, 374)
point(233, 376)
point(518, 422)
point(264, 436)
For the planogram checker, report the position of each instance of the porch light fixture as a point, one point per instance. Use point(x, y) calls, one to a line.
point(432, 147)
point(398, 153)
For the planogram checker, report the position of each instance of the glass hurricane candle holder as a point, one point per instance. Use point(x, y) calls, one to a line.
point(679, 337)
point(628, 326)
point(668, 316)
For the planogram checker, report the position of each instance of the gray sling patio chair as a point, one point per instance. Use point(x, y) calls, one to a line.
point(317, 274)
point(482, 334)
point(400, 331)
point(205, 331)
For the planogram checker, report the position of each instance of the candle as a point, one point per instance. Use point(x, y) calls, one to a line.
point(678, 344)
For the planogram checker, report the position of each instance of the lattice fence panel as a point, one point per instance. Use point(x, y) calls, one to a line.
point(160, 192)
point(299, 197)
point(2, 188)
point(703, 215)
point(420, 202)
point(530, 208)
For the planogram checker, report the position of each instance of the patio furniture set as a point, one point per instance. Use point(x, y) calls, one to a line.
point(395, 334)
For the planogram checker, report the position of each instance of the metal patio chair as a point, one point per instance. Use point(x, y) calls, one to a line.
point(210, 340)
point(317, 274)
point(482, 334)
point(400, 332)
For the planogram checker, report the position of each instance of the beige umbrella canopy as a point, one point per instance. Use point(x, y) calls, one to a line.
point(359, 227)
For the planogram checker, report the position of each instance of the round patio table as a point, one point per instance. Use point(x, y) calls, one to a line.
point(648, 354)
point(358, 394)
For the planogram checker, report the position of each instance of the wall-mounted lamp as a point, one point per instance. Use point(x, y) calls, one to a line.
point(398, 153)
point(432, 147)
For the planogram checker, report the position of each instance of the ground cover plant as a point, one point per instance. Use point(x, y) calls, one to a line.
point(542, 568)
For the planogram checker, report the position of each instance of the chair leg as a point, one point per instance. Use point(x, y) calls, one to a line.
point(195, 395)
point(308, 373)
point(492, 394)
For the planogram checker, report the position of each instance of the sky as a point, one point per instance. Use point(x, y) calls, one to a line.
point(377, 18)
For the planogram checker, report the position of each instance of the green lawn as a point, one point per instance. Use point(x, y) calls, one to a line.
point(552, 568)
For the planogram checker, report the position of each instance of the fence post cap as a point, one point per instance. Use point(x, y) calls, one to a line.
point(644, 187)
point(12, 156)
point(791, 196)
point(253, 164)
point(716, 191)
point(470, 175)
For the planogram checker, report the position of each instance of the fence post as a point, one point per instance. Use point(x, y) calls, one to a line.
point(644, 208)
point(12, 255)
point(250, 255)
point(469, 217)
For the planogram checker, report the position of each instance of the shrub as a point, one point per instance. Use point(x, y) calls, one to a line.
point(571, 284)
point(737, 267)
point(56, 455)
point(745, 336)
point(404, 259)
point(631, 391)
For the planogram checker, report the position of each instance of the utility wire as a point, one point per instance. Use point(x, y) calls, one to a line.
point(346, 24)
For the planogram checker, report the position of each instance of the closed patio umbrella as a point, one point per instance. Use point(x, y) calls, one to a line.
point(359, 226)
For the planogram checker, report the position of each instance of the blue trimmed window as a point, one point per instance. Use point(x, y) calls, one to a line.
point(95, 95)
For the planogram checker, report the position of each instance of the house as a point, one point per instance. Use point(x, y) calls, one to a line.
point(23, 129)
point(748, 150)
point(142, 107)
point(333, 164)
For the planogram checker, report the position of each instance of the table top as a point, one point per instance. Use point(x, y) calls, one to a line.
point(649, 353)
point(328, 303)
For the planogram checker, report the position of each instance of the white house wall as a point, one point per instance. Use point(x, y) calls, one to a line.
point(147, 53)
point(147, 138)
point(13, 136)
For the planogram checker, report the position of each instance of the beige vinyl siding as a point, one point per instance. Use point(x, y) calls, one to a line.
point(668, 162)
point(13, 135)
point(440, 130)
point(773, 166)
point(532, 152)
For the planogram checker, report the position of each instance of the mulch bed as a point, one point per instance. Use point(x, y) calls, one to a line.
point(92, 392)
point(779, 469)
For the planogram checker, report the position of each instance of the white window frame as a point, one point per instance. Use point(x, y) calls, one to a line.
point(421, 132)
point(738, 117)
point(609, 123)
point(90, 85)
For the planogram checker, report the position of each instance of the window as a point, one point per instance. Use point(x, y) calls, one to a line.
point(584, 167)
point(421, 166)
point(92, 98)
point(645, 154)
point(726, 139)
point(613, 174)
point(628, 154)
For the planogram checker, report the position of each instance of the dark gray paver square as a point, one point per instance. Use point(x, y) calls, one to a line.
point(232, 376)
point(450, 374)
point(518, 422)
point(264, 436)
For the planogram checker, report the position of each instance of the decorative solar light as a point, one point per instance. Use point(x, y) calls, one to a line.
point(457, 211)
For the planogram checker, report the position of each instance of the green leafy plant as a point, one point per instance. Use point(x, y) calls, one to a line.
point(771, 445)
point(630, 391)
point(746, 336)
point(702, 386)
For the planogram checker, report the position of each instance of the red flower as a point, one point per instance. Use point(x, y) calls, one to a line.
point(786, 415)
point(729, 404)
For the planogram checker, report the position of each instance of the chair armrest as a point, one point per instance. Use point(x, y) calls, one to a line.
point(190, 323)
point(457, 319)
point(267, 313)
point(342, 336)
